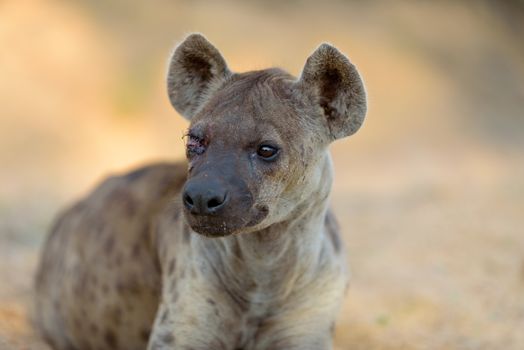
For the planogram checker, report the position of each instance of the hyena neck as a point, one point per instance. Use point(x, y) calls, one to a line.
point(283, 252)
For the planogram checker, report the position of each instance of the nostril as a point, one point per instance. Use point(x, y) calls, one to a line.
point(188, 200)
point(214, 202)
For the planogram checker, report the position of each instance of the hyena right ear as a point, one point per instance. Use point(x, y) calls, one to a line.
point(196, 69)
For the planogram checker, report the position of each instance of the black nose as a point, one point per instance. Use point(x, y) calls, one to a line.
point(204, 198)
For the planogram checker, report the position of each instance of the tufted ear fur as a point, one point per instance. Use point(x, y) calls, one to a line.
point(336, 87)
point(195, 70)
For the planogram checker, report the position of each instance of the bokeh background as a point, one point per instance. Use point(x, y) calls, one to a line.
point(430, 193)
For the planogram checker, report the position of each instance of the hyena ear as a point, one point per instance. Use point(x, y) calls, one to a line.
point(336, 88)
point(196, 69)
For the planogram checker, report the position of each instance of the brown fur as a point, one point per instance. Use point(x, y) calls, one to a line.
point(133, 266)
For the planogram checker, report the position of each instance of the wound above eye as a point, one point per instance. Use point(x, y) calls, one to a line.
point(195, 145)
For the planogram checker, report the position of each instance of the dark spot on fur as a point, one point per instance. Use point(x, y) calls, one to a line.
point(135, 251)
point(129, 287)
point(168, 338)
point(210, 301)
point(144, 334)
point(116, 315)
point(91, 295)
point(163, 318)
point(86, 345)
point(80, 286)
point(174, 297)
point(98, 228)
point(118, 259)
point(254, 322)
point(237, 252)
point(238, 341)
point(265, 324)
point(111, 339)
point(93, 328)
point(49, 340)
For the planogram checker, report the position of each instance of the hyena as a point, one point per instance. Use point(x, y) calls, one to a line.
point(235, 248)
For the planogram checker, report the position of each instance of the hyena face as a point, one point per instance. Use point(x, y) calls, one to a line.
point(248, 149)
point(256, 139)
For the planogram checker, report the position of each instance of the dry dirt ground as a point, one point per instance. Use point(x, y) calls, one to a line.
point(430, 193)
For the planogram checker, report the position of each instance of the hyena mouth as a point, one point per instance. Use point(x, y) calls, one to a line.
point(214, 226)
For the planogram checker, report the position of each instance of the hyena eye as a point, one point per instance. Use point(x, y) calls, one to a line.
point(267, 152)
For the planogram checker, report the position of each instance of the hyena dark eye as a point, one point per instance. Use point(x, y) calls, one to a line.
point(267, 152)
point(195, 145)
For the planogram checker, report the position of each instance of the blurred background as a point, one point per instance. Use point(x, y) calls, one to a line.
point(430, 193)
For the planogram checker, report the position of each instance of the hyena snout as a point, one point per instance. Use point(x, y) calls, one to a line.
point(205, 197)
point(217, 206)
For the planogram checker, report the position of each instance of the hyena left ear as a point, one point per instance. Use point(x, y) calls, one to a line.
point(196, 70)
point(336, 87)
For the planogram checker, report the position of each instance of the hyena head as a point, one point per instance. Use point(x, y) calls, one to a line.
point(257, 142)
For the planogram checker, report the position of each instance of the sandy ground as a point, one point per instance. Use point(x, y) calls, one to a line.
point(430, 193)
